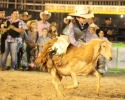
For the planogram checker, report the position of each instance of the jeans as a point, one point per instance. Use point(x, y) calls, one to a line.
point(12, 48)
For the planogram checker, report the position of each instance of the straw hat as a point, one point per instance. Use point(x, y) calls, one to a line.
point(26, 14)
point(93, 26)
point(82, 11)
point(45, 12)
point(29, 23)
point(66, 19)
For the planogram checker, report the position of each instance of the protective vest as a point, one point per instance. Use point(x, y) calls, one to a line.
point(78, 33)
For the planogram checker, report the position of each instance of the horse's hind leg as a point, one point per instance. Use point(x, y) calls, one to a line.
point(97, 74)
point(55, 80)
point(75, 82)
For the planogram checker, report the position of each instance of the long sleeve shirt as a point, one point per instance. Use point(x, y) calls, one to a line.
point(72, 36)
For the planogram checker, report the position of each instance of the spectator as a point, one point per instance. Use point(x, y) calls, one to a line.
point(43, 23)
point(92, 20)
point(25, 17)
point(92, 30)
point(67, 20)
point(2, 36)
point(109, 29)
point(121, 25)
point(42, 39)
point(121, 31)
point(100, 34)
point(15, 27)
point(31, 39)
point(53, 30)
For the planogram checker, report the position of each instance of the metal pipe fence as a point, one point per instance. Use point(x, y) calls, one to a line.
point(38, 5)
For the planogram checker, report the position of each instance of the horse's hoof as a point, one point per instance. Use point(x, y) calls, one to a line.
point(70, 87)
point(60, 95)
point(97, 93)
point(65, 86)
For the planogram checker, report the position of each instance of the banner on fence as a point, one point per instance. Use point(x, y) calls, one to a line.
point(97, 9)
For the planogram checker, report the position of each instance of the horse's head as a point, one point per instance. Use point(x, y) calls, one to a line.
point(104, 47)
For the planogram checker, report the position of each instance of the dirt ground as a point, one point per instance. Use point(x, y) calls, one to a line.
point(32, 85)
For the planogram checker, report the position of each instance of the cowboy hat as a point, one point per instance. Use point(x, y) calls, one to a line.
point(93, 26)
point(29, 23)
point(25, 13)
point(45, 12)
point(94, 19)
point(82, 11)
point(66, 19)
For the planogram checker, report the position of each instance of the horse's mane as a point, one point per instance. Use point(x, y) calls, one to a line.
point(45, 52)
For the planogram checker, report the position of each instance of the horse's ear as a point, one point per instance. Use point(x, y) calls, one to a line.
point(97, 47)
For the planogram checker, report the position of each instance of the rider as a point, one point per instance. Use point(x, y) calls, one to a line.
point(77, 27)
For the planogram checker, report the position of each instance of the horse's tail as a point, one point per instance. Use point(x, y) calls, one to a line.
point(45, 52)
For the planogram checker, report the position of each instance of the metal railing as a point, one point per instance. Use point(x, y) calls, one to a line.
point(38, 5)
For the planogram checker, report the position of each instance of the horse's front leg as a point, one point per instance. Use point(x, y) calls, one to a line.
point(97, 74)
point(55, 80)
point(75, 82)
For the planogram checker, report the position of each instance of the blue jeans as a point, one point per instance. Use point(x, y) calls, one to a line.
point(12, 48)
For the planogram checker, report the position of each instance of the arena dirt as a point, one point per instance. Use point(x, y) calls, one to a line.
point(32, 85)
